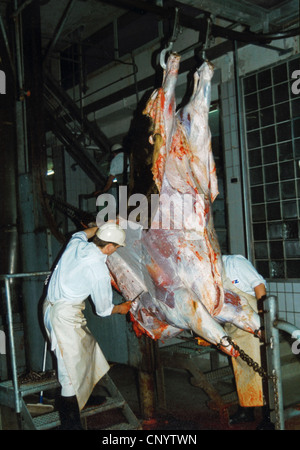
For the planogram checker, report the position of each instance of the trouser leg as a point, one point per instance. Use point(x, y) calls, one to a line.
point(67, 389)
point(68, 406)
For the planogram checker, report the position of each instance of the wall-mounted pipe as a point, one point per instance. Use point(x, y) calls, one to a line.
point(288, 328)
point(243, 156)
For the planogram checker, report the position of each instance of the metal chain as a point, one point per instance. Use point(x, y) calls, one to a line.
point(260, 370)
point(255, 366)
point(276, 400)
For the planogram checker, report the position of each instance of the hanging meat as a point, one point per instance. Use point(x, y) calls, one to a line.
point(175, 266)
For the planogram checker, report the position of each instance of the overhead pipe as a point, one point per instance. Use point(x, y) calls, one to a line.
point(198, 24)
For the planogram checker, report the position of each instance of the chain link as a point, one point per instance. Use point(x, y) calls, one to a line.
point(260, 370)
point(243, 355)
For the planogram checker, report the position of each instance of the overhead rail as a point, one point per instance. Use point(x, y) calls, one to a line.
point(198, 24)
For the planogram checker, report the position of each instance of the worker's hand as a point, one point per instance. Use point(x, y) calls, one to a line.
point(92, 225)
point(125, 307)
point(90, 232)
point(122, 308)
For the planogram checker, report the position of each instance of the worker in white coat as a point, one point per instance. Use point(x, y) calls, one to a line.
point(118, 170)
point(241, 277)
point(80, 272)
point(118, 175)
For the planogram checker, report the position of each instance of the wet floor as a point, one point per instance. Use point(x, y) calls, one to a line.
point(186, 407)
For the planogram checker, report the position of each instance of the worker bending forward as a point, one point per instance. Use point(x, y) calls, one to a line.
point(81, 272)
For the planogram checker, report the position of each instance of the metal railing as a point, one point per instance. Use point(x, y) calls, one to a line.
point(272, 327)
point(6, 278)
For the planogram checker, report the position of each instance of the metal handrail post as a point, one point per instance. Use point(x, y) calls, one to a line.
point(273, 359)
point(12, 346)
point(6, 279)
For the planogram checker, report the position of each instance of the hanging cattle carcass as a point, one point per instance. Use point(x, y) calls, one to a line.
point(173, 270)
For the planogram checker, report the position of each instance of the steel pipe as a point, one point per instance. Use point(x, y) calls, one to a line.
point(273, 360)
point(243, 156)
point(23, 275)
point(12, 346)
point(6, 278)
point(288, 327)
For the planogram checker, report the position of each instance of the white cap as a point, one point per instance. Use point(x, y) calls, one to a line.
point(111, 232)
point(116, 147)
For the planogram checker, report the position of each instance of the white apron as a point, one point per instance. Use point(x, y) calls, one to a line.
point(248, 383)
point(82, 356)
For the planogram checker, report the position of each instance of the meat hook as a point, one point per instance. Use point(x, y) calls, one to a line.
point(207, 38)
point(176, 31)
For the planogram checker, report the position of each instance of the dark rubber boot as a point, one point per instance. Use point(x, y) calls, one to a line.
point(69, 414)
point(266, 423)
point(243, 415)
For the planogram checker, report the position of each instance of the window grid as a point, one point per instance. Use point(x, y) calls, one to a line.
point(272, 126)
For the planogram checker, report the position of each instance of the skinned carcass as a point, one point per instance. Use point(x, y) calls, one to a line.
point(176, 264)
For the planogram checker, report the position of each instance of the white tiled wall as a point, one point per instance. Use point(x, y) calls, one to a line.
point(288, 297)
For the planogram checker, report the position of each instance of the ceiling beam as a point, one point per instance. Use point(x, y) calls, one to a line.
point(199, 24)
point(233, 10)
point(285, 12)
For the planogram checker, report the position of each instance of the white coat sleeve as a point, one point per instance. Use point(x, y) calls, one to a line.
point(102, 295)
point(250, 275)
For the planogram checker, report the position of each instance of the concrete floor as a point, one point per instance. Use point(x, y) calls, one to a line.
point(187, 407)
